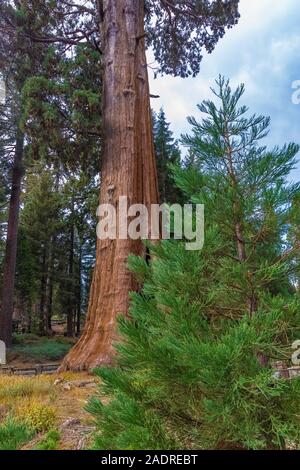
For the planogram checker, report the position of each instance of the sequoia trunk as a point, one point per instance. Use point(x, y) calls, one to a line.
point(128, 169)
point(7, 296)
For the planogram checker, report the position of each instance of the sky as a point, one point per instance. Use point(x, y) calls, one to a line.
point(263, 52)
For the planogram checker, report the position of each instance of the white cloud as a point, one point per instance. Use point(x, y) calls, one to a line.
point(263, 51)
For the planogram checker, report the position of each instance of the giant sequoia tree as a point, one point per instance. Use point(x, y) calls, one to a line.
point(178, 31)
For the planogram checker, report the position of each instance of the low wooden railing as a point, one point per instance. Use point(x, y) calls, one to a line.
point(30, 371)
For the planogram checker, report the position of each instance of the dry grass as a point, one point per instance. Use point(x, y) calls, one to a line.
point(44, 405)
point(14, 388)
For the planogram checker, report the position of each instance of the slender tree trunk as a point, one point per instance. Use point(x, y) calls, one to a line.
point(78, 318)
point(240, 243)
point(70, 316)
point(30, 310)
point(7, 296)
point(70, 322)
point(128, 169)
point(43, 288)
point(48, 292)
point(50, 304)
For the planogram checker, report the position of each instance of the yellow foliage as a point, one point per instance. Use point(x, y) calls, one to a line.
point(42, 403)
point(38, 416)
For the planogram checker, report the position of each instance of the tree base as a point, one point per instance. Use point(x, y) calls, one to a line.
point(91, 351)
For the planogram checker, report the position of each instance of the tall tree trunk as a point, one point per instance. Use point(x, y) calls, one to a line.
point(43, 288)
point(78, 317)
point(7, 297)
point(128, 169)
point(50, 304)
point(49, 291)
point(71, 309)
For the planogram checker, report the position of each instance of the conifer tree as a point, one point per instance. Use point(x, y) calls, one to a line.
point(244, 189)
point(166, 152)
point(196, 368)
point(56, 247)
point(18, 59)
point(56, 107)
point(41, 221)
point(62, 110)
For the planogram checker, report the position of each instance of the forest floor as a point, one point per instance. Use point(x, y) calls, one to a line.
point(44, 412)
point(49, 408)
point(30, 349)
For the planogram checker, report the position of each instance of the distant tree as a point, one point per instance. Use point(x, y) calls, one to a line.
point(54, 109)
point(80, 202)
point(41, 222)
point(56, 247)
point(18, 60)
point(166, 152)
point(26, 284)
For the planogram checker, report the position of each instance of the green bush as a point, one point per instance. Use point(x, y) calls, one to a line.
point(38, 416)
point(50, 441)
point(14, 434)
point(186, 380)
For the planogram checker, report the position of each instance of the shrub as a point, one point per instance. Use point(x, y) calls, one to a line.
point(13, 434)
point(37, 416)
point(187, 380)
point(50, 441)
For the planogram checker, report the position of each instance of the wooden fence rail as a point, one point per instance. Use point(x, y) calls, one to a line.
point(38, 369)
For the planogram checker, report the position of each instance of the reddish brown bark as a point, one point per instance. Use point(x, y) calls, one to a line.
point(128, 169)
point(9, 269)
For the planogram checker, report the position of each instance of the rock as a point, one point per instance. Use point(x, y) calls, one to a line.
point(67, 387)
point(84, 383)
point(58, 381)
point(70, 422)
point(81, 444)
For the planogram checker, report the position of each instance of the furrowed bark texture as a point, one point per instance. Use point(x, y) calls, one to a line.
point(128, 169)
